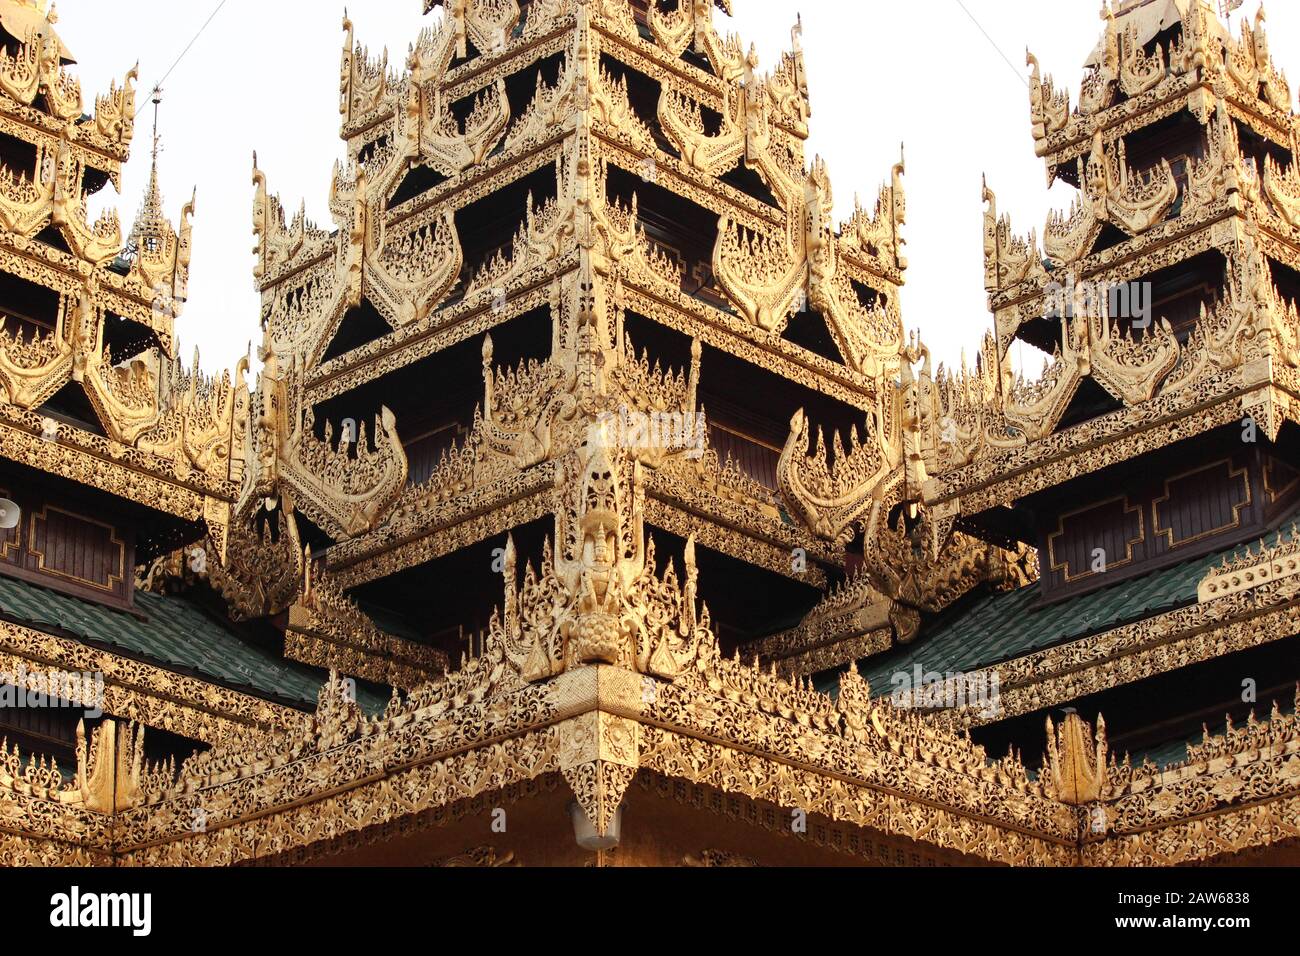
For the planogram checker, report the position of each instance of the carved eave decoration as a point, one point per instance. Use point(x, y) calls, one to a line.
point(834, 491)
point(327, 629)
point(370, 92)
point(595, 386)
point(607, 236)
point(596, 597)
point(427, 132)
point(190, 706)
point(364, 84)
point(159, 258)
point(597, 668)
point(404, 271)
point(53, 193)
point(488, 24)
point(1268, 575)
point(345, 483)
point(1234, 790)
point(588, 102)
point(583, 86)
point(853, 621)
point(474, 494)
point(167, 484)
point(855, 760)
point(175, 422)
point(38, 91)
point(1073, 774)
point(35, 366)
point(1243, 340)
point(260, 566)
point(765, 272)
point(404, 268)
point(159, 419)
point(1218, 185)
point(282, 245)
point(1248, 601)
point(1282, 187)
point(900, 584)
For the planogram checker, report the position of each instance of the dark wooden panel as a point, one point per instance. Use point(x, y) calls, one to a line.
point(1201, 500)
point(85, 551)
point(755, 458)
point(1115, 527)
point(1281, 483)
point(1201, 503)
point(61, 547)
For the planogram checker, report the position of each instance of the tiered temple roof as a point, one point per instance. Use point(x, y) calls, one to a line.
point(585, 438)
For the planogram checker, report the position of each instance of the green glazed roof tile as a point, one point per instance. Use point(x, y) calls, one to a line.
point(1003, 627)
point(172, 633)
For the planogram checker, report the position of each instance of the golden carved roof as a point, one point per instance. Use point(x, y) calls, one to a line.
point(1147, 18)
point(24, 18)
point(601, 665)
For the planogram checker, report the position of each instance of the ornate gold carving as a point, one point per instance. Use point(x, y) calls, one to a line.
point(1117, 195)
point(718, 858)
point(596, 598)
point(33, 367)
point(601, 665)
point(35, 69)
point(1099, 85)
point(1271, 567)
point(1008, 260)
point(1138, 71)
point(488, 24)
point(363, 83)
point(159, 256)
point(150, 695)
point(1221, 171)
point(834, 490)
point(1249, 64)
point(1049, 109)
point(328, 630)
point(34, 777)
point(1074, 775)
point(599, 755)
point(263, 569)
point(1282, 189)
point(110, 767)
point(343, 490)
point(480, 856)
point(427, 131)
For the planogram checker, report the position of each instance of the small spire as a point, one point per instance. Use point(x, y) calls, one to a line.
point(151, 226)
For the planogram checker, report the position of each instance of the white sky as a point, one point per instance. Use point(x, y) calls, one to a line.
point(264, 76)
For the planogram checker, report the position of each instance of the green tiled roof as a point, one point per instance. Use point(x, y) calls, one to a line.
point(173, 634)
point(1003, 627)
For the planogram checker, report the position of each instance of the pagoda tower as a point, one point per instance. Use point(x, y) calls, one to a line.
point(112, 452)
point(1152, 465)
point(559, 228)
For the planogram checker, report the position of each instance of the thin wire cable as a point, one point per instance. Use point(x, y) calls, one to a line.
point(157, 87)
point(1014, 69)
